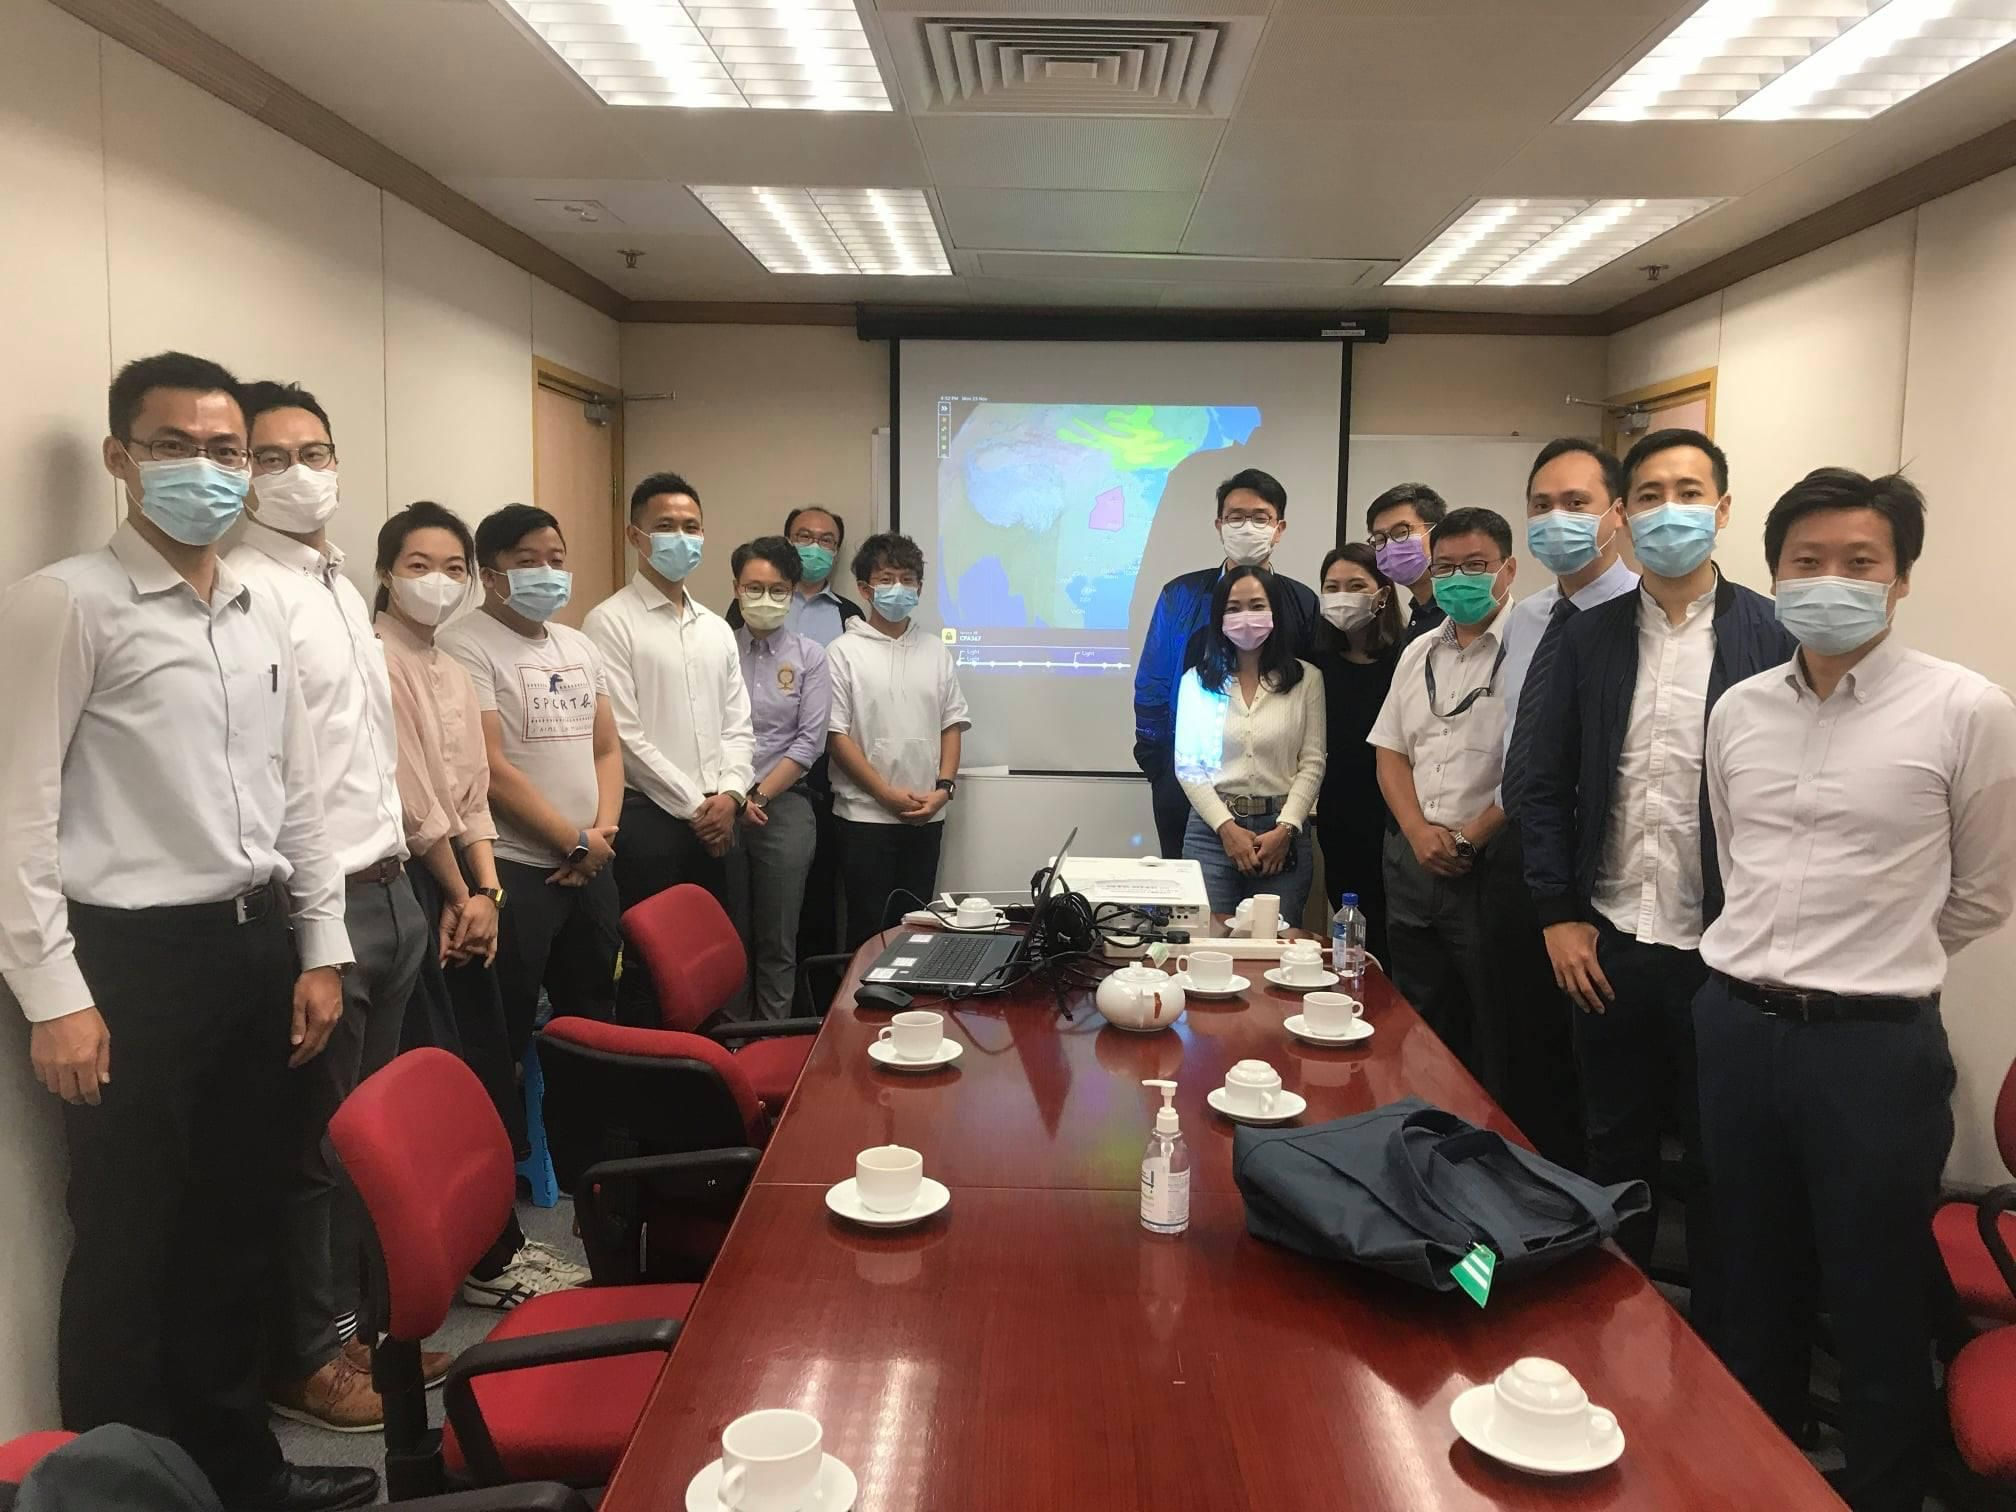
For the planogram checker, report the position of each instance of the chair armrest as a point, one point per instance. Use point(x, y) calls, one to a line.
point(533, 1496)
point(765, 1029)
point(836, 963)
point(603, 1341)
point(608, 1197)
point(1988, 1215)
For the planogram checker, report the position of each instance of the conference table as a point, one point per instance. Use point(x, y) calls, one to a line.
point(1033, 1347)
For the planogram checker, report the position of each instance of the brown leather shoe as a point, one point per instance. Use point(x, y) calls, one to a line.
point(434, 1363)
point(338, 1397)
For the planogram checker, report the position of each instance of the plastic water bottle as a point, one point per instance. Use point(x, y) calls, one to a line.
point(1347, 947)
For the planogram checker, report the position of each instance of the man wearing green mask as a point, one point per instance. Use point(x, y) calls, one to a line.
point(1441, 752)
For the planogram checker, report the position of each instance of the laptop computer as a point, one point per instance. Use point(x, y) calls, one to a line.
point(948, 961)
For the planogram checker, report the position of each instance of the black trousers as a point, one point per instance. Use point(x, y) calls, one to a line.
point(460, 1009)
point(564, 939)
point(1639, 1085)
point(1825, 1143)
point(1542, 1090)
point(176, 1181)
point(1172, 810)
point(877, 862)
point(654, 851)
point(1353, 861)
point(1440, 937)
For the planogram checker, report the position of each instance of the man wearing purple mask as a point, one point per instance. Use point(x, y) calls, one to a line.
point(1400, 521)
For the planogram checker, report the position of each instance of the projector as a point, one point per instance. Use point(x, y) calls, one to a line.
point(1170, 892)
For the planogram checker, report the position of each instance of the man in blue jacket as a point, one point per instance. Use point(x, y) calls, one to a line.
point(1252, 518)
point(1620, 851)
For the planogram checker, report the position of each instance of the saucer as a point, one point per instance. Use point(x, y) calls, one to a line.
point(845, 1199)
point(1231, 989)
point(1287, 1105)
point(1298, 1026)
point(835, 1491)
point(1470, 1414)
point(1329, 979)
point(880, 1052)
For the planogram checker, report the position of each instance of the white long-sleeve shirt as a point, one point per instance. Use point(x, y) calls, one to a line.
point(894, 697)
point(676, 689)
point(1864, 839)
point(1274, 747)
point(156, 753)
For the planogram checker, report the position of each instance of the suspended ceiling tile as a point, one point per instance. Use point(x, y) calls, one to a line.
point(1657, 159)
point(1065, 220)
point(1005, 152)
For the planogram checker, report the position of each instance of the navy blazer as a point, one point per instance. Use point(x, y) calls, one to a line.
point(1578, 742)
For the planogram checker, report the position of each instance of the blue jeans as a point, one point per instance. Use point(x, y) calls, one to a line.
point(1227, 885)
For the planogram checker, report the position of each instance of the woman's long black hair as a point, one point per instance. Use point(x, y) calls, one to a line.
point(1387, 625)
point(1279, 668)
point(423, 514)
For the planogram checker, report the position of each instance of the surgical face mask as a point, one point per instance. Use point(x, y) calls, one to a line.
point(763, 613)
point(192, 499)
point(1247, 542)
point(539, 593)
point(895, 602)
point(428, 600)
point(1673, 539)
point(1248, 629)
point(1467, 597)
point(817, 562)
point(1563, 540)
point(1403, 561)
point(1349, 611)
point(298, 500)
point(674, 554)
point(1833, 615)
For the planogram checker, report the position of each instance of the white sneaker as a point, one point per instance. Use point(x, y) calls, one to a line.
point(534, 1271)
point(553, 1263)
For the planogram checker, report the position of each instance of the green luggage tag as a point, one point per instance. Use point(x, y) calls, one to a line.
point(1473, 1273)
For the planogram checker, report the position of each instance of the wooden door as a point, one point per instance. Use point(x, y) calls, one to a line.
point(574, 452)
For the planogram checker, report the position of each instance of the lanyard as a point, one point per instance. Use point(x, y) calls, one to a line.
point(1428, 671)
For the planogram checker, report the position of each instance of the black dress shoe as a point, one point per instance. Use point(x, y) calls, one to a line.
point(311, 1488)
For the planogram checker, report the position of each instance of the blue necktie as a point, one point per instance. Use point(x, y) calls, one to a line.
point(1527, 718)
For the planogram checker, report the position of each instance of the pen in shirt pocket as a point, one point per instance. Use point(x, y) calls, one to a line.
point(273, 676)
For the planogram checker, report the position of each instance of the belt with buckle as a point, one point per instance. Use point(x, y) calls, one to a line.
point(377, 874)
point(1248, 806)
point(1825, 1007)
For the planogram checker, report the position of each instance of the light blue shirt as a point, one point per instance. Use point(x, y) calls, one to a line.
point(1528, 622)
point(816, 618)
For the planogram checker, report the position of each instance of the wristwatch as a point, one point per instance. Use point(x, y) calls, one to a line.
point(948, 787)
point(580, 852)
point(494, 894)
point(757, 798)
point(1464, 847)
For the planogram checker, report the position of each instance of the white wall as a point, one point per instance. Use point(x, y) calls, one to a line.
point(1889, 347)
point(162, 217)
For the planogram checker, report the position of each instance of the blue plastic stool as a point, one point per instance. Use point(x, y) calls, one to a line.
point(536, 1169)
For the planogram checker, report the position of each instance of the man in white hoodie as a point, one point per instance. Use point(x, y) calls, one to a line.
point(895, 733)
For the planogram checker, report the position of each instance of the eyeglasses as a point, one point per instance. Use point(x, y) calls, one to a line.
point(892, 580)
point(318, 455)
point(778, 595)
point(226, 454)
point(1236, 518)
point(1473, 565)
point(1401, 532)
point(825, 538)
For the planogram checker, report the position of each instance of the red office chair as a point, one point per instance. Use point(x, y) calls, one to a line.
point(19, 1455)
point(1976, 1239)
point(1981, 1404)
point(556, 1389)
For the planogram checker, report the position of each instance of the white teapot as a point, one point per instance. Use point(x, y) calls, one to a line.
point(1140, 999)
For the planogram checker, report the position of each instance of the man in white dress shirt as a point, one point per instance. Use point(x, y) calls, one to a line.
point(1865, 799)
point(316, 1373)
point(164, 820)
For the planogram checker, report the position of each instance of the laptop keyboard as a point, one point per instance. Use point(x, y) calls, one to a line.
point(953, 958)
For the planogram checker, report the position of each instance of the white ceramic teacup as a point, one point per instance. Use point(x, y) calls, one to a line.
point(1265, 920)
point(770, 1460)
point(1251, 1086)
point(913, 1034)
point(975, 913)
point(1330, 1012)
point(1302, 961)
point(888, 1178)
point(1209, 969)
point(1538, 1408)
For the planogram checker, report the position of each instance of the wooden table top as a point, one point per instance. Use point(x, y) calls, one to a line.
point(1032, 1347)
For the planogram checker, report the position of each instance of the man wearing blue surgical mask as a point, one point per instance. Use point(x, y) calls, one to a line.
point(682, 714)
point(1612, 811)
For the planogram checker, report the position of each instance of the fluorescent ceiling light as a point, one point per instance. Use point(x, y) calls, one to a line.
point(831, 230)
point(1803, 60)
point(746, 54)
point(1543, 241)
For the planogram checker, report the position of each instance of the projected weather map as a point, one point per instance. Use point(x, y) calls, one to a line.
point(1044, 514)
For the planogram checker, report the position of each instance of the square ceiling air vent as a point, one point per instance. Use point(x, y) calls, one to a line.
point(1074, 65)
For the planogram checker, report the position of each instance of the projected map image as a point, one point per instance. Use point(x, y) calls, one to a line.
point(1044, 510)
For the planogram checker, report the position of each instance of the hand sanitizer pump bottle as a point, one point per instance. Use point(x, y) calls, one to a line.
point(1165, 1170)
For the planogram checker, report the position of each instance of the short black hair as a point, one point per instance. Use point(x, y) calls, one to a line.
point(660, 483)
point(888, 550)
point(775, 550)
point(1265, 485)
point(1561, 446)
point(257, 398)
point(1893, 496)
point(1279, 667)
point(1666, 440)
point(169, 370)
point(422, 514)
point(839, 525)
point(1473, 522)
point(507, 527)
point(1427, 503)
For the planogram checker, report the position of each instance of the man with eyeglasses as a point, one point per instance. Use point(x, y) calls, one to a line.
point(1401, 521)
point(1252, 518)
point(159, 792)
point(317, 1370)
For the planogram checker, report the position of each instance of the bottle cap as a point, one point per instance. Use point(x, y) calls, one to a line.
point(1165, 1117)
point(1350, 900)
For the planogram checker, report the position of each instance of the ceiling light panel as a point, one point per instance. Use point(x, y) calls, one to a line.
point(1803, 60)
point(1543, 241)
point(831, 231)
point(761, 54)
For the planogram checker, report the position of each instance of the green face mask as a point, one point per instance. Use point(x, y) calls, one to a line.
point(817, 561)
point(1467, 597)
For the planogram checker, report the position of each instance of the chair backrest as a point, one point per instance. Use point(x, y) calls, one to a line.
point(20, 1455)
point(423, 1144)
point(688, 944)
point(614, 1092)
point(2005, 1120)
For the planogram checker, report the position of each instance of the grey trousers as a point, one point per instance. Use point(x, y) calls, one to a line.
point(321, 1253)
point(1442, 957)
point(773, 892)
